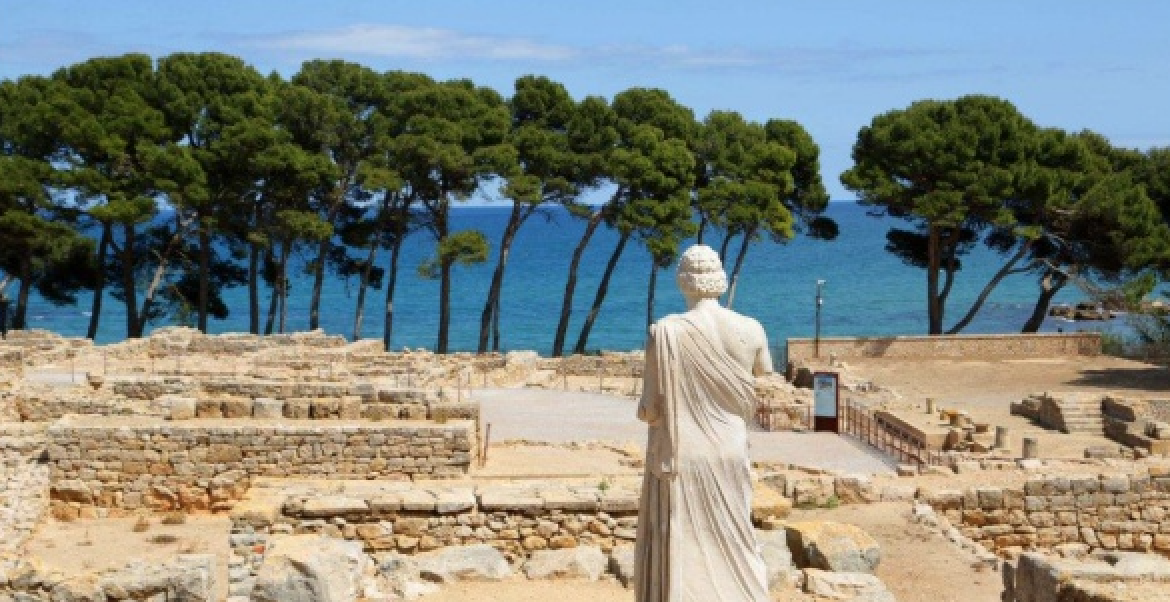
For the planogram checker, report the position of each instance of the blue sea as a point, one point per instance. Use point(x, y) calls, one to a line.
point(867, 291)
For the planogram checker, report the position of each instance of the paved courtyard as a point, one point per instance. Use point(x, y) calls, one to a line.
point(562, 417)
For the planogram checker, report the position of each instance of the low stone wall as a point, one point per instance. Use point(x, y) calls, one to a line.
point(130, 463)
point(1111, 512)
point(516, 518)
point(609, 364)
point(949, 346)
point(59, 403)
point(1101, 577)
point(1135, 423)
point(24, 483)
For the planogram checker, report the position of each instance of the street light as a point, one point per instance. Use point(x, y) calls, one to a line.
point(817, 336)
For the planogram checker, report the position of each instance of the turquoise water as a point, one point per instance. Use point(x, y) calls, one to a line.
point(867, 291)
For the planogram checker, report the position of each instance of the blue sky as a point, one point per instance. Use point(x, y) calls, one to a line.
point(831, 65)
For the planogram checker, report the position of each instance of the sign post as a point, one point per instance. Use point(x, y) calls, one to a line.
point(826, 401)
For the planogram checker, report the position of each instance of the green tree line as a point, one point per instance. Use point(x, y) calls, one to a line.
point(345, 165)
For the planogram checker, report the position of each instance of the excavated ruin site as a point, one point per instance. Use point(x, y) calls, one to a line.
point(187, 467)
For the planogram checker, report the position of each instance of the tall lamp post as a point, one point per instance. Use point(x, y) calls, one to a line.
point(817, 335)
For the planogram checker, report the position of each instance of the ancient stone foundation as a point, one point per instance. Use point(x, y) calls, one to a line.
point(130, 463)
point(948, 346)
point(1108, 512)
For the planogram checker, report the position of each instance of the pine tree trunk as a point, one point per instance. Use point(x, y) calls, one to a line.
point(253, 288)
point(496, 326)
point(702, 229)
point(20, 316)
point(392, 280)
point(444, 305)
point(1003, 272)
point(1051, 284)
point(743, 249)
point(204, 275)
point(491, 305)
point(723, 247)
point(318, 285)
point(159, 271)
point(99, 288)
point(273, 304)
point(933, 308)
point(571, 283)
point(599, 298)
point(359, 312)
point(650, 294)
point(129, 291)
point(284, 288)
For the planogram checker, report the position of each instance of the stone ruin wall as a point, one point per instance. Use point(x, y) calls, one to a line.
point(948, 346)
point(608, 364)
point(24, 483)
point(98, 464)
point(1138, 423)
point(1118, 512)
point(515, 519)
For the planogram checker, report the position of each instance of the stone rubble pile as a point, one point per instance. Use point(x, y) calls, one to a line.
point(185, 578)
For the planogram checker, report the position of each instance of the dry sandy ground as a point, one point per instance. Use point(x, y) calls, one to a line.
point(918, 565)
point(88, 545)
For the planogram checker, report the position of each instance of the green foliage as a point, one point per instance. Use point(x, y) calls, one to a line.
point(467, 247)
point(975, 169)
point(341, 157)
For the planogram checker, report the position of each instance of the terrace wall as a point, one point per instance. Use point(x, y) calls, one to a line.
point(949, 346)
point(131, 463)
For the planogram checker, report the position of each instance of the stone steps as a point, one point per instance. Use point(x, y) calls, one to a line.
point(1083, 417)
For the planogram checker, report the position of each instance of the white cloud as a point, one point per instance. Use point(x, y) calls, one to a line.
point(438, 44)
point(425, 43)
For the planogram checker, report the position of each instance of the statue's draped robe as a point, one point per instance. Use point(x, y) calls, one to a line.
point(695, 538)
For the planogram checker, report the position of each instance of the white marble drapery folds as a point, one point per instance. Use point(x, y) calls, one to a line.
point(695, 539)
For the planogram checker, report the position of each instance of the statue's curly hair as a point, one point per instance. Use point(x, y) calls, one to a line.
point(700, 273)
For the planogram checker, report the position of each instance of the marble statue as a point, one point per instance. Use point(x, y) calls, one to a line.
point(695, 539)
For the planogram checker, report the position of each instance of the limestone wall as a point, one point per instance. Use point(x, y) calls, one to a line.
point(1111, 512)
point(1101, 577)
point(949, 346)
point(126, 463)
point(24, 483)
point(516, 518)
point(609, 364)
point(1138, 423)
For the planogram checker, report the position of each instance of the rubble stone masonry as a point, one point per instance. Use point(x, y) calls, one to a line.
point(1112, 512)
point(130, 463)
